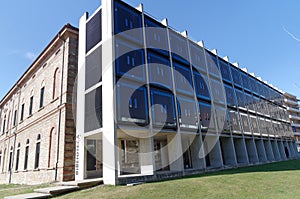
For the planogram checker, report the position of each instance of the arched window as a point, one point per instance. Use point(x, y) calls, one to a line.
point(52, 147)
point(8, 120)
point(42, 94)
point(18, 156)
point(3, 164)
point(56, 82)
point(37, 152)
point(26, 155)
point(4, 123)
point(10, 158)
point(31, 102)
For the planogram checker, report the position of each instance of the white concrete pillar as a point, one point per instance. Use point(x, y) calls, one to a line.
point(110, 151)
point(269, 151)
point(146, 157)
point(275, 150)
point(281, 150)
point(227, 149)
point(214, 151)
point(240, 149)
point(175, 152)
point(251, 150)
point(261, 150)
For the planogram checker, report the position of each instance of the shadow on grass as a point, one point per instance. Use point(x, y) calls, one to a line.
point(289, 165)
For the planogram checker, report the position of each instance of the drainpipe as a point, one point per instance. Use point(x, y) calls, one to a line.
point(60, 104)
point(15, 134)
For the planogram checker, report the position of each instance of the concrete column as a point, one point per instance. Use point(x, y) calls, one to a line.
point(293, 154)
point(287, 150)
point(251, 149)
point(146, 158)
point(214, 151)
point(262, 156)
point(228, 152)
point(175, 152)
point(269, 151)
point(80, 144)
point(281, 150)
point(240, 149)
point(275, 150)
point(110, 151)
point(296, 149)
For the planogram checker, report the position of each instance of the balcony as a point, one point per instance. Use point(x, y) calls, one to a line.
point(295, 125)
point(293, 110)
point(294, 117)
point(297, 133)
point(292, 102)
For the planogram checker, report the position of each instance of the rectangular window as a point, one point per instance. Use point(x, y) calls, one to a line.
point(17, 159)
point(93, 110)
point(10, 161)
point(201, 84)
point(37, 155)
point(93, 68)
point(31, 105)
point(236, 76)
point(183, 78)
point(4, 123)
point(132, 103)
point(22, 112)
point(197, 57)
point(179, 47)
point(15, 117)
point(187, 112)
point(93, 31)
point(26, 157)
point(225, 70)
point(42, 97)
point(162, 101)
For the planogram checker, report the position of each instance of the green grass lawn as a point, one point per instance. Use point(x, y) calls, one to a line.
point(276, 180)
point(12, 189)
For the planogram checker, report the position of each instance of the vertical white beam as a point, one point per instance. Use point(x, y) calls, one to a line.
point(79, 154)
point(110, 152)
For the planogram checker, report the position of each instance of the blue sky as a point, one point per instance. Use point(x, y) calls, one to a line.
point(263, 36)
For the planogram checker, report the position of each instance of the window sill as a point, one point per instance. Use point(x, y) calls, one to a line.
point(55, 99)
point(25, 170)
point(36, 169)
point(41, 109)
point(29, 116)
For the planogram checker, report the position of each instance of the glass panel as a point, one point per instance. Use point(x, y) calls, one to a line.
point(225, 70)
point(93, 68)
point(127, 18)
point(187, 112)
point(212, 65)
point(160, 71)
point(130, 61)
point(245, 122)
point(234, 119)
point(183, 78)
point(93, 31)
point(206, 120)
point(236, 76)
point(179, 47)
point(132, 103)
point(230, 96)
point(201, 84)
point(163, 108)
point(197, 57)
point(93, 110)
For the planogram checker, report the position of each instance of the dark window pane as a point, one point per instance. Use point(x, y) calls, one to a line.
point(127, 18)
point(224, 67)
point(130, 61)
point(197, 57)
point(37, 155)
point(93, 110)
point(93, 31)
point(93, 68)
point(187, 112)
point(183, 78)
point(206, 119)
point(230, 96)
point(201, 84)
point(163, 108)
point(31, 105)
point(245, 80)
point(42, 97)
point(179, 47)
point(132, 103)
point(236, 76)
point(245, 122)
point(156, 35)
point(160, 70)
point(212, 65)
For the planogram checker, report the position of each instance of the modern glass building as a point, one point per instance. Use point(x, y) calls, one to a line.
point(153, 104)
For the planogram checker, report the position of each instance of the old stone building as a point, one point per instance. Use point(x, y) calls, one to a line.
point(37, 135)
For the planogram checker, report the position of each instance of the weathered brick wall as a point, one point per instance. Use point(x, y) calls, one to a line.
point(44, 121)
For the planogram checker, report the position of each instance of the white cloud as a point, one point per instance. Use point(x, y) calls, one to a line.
point(30, 55)
point(292, 35)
